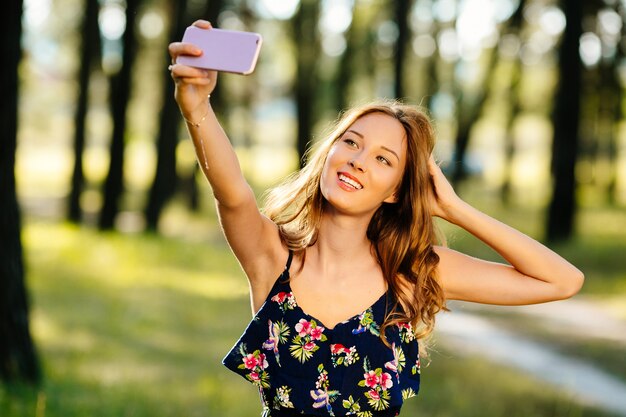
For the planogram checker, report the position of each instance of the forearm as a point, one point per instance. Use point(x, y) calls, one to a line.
point(216, 156)
point(525, 254)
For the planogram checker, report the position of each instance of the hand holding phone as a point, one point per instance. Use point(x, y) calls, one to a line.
point(222, 50)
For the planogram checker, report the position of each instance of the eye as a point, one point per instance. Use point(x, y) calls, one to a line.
point(383, 160)
point(350, 142)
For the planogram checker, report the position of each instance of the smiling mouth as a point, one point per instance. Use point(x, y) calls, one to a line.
point(351, 182)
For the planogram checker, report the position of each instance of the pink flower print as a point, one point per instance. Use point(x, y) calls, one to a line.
point(303, 327)
point(263, 361)
point(373, 394)
point(255, 363)
point(250, 361)
point(316, 333)
point(385, 381)
point(371, 379)
point(309, 346)
point(378, 382)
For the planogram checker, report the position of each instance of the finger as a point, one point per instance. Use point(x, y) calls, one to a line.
point(180, 70)
point(202, 24)
point(432, 165)
point(182, 48)
point(193, 81)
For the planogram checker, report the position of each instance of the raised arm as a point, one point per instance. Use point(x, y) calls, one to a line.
point(535, 273)
point(253, 237)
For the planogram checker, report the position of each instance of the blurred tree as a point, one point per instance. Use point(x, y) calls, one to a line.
point(18, 360)
point(120, 87)
point(566, 117)
point(164, 182)
point(431, 73)
point(305, 34)
point(90, 51)
point(402, 8)
point(345, 68)
point(611, 112)
point(514, 29)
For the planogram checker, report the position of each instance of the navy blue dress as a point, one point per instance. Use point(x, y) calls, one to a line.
point(303, 368)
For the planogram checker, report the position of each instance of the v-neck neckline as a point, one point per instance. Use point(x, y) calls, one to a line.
point(320, 322)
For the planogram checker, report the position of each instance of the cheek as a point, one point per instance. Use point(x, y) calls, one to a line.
point(333, 154)
point(325, 177)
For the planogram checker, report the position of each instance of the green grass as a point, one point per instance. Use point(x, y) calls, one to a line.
point(136, 325)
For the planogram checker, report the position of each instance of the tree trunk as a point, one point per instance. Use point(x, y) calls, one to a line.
point(164, 182)
point(468, 114)
point(308, 47)
point(565, 121)
point(120, 95)
point(514, 28)
point(18, 360)
point(618, 114)
point(90, 49)
point(402, 8)
point(509, 140)
point(345, 70)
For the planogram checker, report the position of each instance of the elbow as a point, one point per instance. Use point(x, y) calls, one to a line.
point(572, 285)
point(235, 198)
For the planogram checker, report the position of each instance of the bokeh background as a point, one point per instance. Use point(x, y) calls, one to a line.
point(118, 294)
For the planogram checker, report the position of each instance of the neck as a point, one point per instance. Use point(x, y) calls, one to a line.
point(342, 242)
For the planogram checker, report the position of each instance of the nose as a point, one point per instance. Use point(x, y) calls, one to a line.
point(356, 164)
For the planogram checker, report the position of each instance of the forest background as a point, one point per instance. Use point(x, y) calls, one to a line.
point(118, 295)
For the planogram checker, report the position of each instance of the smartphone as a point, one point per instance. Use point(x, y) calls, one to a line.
point(223, 50)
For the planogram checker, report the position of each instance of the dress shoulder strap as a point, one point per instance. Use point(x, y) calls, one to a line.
point(289, 260)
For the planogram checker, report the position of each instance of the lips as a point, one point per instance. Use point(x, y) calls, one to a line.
point(349, 181)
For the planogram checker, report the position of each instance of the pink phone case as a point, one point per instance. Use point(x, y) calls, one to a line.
point(223, 50)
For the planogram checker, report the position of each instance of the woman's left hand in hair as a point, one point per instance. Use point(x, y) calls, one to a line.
point(443, 198)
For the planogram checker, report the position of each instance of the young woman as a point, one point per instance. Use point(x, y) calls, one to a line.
point(352, 242)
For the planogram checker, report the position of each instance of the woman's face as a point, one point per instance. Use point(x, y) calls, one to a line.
point(365, 166)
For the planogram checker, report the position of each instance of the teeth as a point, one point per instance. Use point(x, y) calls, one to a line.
point(350, 181)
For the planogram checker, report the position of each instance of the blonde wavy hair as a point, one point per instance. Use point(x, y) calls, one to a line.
point(402, 233)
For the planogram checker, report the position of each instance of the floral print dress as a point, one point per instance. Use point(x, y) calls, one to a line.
point(300, 365)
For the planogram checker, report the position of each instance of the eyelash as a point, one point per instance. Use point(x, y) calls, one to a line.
point(382, 159)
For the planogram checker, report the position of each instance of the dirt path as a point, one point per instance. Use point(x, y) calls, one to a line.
point(467, 331)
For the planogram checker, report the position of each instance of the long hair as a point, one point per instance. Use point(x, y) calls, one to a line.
point(402, 233)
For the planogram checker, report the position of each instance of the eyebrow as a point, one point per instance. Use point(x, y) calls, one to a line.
point(383, 147)
point(389, 150)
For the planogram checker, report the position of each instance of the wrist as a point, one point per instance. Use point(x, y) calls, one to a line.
point(456, 211)
point(196, 116)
